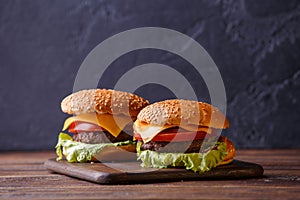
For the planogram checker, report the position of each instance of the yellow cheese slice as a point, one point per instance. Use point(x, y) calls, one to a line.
point(113, 124)
point(148, 132)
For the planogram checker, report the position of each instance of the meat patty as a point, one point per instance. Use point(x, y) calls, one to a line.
point(177, 147)
point(100, 137)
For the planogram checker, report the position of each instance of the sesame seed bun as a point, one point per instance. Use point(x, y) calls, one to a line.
point(178, 112)
point(103, 101)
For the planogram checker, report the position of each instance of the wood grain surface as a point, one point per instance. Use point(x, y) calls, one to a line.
point(23, 175)
point(132, 172)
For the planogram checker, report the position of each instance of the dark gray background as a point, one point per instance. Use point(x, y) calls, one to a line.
point(254, 43)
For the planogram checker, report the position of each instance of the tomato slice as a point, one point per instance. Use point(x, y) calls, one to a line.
point(175, 135)
point(78, 126)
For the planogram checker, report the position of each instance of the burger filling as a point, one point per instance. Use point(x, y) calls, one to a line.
point(91, 134)
point(173, 147)
point(100, 137)
point(179, 140)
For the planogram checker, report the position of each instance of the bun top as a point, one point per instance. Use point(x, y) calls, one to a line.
point(103, 101)
point(183, 112)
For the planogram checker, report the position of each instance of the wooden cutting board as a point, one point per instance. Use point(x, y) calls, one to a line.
point(131, 172)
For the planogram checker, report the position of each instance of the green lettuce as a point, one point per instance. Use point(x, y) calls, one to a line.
point(78, 151)
point(197, 162)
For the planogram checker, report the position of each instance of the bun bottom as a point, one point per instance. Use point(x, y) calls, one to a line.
point(112, 154)
point(164, 160)
point(225, 162)
point(120, 153)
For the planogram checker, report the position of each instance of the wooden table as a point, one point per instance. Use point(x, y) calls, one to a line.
point(22, 175)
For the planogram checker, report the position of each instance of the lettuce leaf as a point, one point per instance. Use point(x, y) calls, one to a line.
point(78, 151)
point(197, 162)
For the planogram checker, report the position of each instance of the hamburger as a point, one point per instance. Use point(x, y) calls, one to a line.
point(182, 133)
point(101, 126)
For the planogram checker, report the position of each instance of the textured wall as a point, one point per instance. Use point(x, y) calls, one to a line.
point(254, 43)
